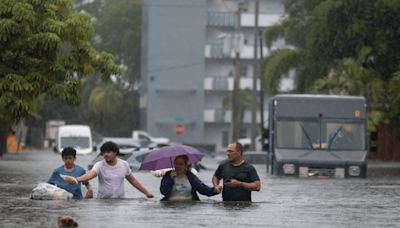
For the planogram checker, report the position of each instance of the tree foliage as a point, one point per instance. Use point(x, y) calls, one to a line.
point(279, 62)
point(117, 25)
point(328, 30)
point(107, 100)
point(244, 102)
point(32, 35)
point(351, 78)
point(118, 31)
point(348, 47)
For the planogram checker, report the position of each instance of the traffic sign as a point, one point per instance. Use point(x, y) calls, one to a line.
point(179, 129)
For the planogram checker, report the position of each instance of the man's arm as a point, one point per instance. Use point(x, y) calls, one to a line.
point(253, 186)
point(89, 193)
point(135, 183)
point(88, 176)
point(217, 187)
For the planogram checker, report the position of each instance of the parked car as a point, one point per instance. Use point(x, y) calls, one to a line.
point(254, 157)
point(246, 142)
point(207, 154)
point(147, 140)
point(201, 167)
point(100, 157)
point(135, 157)
point(124, 144)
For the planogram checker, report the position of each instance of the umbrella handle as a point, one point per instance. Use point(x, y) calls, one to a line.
point(171, 162)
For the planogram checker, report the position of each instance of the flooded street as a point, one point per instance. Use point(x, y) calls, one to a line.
point(282, 202)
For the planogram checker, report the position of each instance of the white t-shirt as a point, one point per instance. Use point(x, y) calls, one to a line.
point(181, 190)
point(111, 178)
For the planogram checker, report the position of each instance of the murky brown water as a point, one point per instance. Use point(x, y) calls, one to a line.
point(282, 202)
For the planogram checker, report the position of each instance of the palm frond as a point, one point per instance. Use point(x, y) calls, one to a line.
point(279, 62)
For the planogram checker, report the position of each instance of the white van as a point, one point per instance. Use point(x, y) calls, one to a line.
point(78, 137)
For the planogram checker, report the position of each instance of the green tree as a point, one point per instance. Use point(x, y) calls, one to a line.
point(32, 35)
point(244, 103)
point(105, 102)
point(322, 31)
point(118, 31)
point(331, 36)
point(351, 78)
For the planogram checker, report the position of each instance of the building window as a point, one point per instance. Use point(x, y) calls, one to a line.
point(243, 133)
point(225, 138)
point(243, 71)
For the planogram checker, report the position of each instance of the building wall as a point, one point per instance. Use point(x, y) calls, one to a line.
point(215, 133)
point(173, 70)
point(183, 81)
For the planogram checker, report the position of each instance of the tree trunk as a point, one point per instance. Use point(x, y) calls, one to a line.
point(241, 123)
point(3, 137)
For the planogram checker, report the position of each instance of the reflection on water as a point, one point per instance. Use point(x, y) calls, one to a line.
point(283, 202)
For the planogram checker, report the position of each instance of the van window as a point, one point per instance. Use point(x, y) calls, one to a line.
point(340, 134)
point(75, 142)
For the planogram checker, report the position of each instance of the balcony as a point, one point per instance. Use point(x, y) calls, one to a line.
point(221, 19)
point(264, 20)
point(216, 83)
point(214, 115)
point(220, 83)
point(229, 19)
point(225, 116)
point(214, 51)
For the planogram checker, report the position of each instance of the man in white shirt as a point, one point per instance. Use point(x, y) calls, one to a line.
point(111, 172)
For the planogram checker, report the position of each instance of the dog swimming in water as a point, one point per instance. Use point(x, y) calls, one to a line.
point(66, 221)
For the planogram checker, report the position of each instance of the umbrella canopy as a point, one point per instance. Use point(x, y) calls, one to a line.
point(164, 158)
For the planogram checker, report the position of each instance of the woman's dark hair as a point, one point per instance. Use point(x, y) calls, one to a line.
point(185, 159)
point(68, 151)
point(109, 146)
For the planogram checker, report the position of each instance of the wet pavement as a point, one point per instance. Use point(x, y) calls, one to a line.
point(282, 202)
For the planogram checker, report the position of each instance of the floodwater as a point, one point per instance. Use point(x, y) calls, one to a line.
point(282, 202)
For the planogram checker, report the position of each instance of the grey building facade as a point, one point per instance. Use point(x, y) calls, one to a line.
point(186, 75)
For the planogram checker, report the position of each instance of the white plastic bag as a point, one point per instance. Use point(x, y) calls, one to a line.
point(46, 191)
point(64, 176)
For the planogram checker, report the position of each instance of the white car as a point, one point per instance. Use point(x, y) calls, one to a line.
point(147, 140)
point(246, 143)
point(124, 144)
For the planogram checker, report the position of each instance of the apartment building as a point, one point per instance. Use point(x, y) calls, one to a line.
point(186, 73)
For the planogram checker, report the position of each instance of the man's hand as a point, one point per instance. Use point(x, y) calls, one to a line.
point(149, 195)
point(218, 189)
point(173, 174)
point(89, 194)
point(71, 180)
point(232, 184)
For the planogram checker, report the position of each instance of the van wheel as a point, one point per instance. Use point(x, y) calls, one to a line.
point(246, 147)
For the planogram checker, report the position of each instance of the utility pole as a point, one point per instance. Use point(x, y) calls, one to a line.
point(261, 95)
point(236, 89)
point(255, 77)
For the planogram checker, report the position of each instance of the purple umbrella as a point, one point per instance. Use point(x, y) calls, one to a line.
point(164, 158)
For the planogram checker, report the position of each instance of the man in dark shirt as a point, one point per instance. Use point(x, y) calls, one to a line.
point(240, 177)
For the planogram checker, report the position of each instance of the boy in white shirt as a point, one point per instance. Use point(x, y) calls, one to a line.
point(111, 172)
